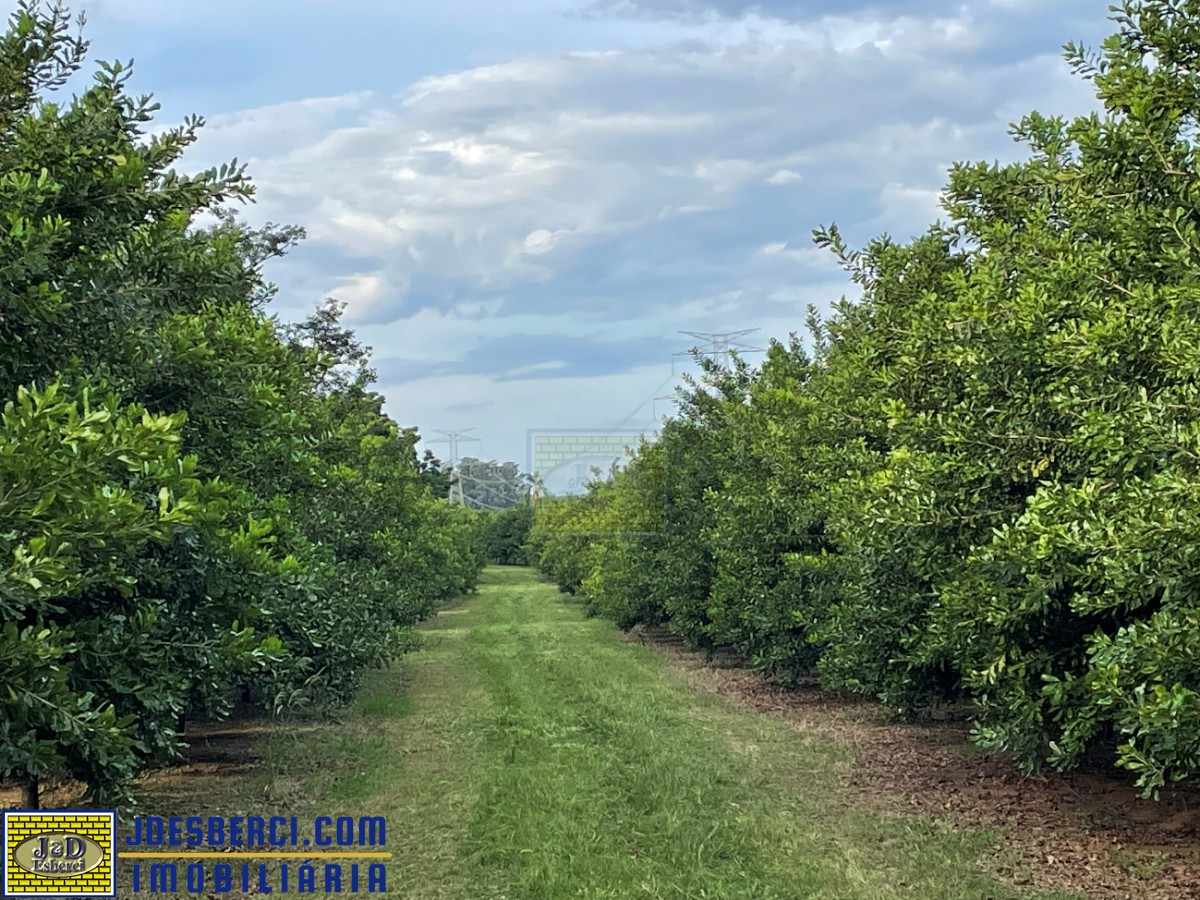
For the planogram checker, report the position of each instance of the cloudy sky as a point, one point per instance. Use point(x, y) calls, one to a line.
point(525, 202)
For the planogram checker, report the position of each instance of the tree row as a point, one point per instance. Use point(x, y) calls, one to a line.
point(980, 480)
point(198, 503)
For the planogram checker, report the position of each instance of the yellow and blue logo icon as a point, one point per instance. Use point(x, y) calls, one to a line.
point(58, 853)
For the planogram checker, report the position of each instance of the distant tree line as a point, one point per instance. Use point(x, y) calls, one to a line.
point(491, 485)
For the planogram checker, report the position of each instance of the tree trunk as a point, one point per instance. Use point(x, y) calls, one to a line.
point(29, 792)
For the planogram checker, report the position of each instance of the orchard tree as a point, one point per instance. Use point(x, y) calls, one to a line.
point(193, 497)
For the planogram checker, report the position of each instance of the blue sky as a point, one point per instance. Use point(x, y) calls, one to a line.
point(525, 202)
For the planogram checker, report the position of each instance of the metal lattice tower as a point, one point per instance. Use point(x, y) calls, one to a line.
point(720, 343)
point(452, 438)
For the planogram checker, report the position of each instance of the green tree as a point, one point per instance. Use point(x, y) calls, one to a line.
point(506, 533)
point(431, 471)
point(193, 497)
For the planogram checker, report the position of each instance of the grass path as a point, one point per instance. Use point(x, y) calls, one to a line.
point(528, 753)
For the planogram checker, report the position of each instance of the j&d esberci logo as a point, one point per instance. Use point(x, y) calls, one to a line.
point(59, 853)
point(73, 853)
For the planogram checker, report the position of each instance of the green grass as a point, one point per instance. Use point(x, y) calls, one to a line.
point(527, 753)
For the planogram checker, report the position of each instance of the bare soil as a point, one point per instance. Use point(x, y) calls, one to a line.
point(218, 753)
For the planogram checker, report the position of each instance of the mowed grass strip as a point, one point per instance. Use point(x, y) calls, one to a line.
point(527, 753)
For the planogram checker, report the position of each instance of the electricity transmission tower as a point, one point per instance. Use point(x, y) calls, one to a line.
point(452, 438)
point(720, 343)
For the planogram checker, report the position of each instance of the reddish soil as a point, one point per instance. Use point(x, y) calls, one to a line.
point(1090, 833)
point(232, 748)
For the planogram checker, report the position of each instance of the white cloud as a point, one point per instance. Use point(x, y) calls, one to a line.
point(634, 191)
point(907, 208)
point(364, 294)
point(810, 255)
point(539, 241)
point(783, 176)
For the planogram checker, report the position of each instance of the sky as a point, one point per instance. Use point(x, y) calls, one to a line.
point(524, 203)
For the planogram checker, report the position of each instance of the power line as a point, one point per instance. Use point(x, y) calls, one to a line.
point(672, 397)
point(720, 343)
point(651, 398)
